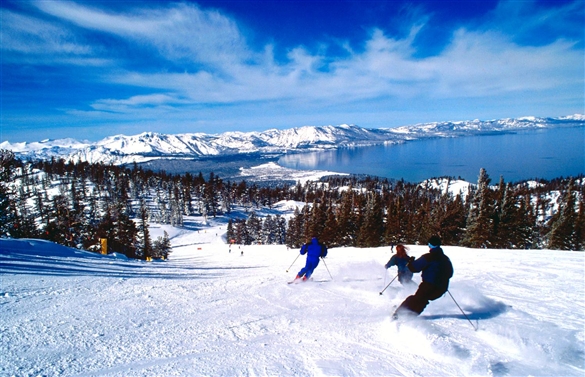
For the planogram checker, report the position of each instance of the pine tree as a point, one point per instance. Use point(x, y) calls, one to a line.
point(161, 247)
point(395, 221)
point(187, 182)
point(242, 234)
point(254, 227)
point(318, 219)
point(579, 241)
point(40, 206)
point(226, 198)
point(359, 213)
point(346, 219)
point(502, 198)
point(230, 233)
point(120, 231)
point(76, 219)
point(211, 195)
point(540, 225)
point(526, 233)
point(330, 234)
point(506, 218)
point(479, 220)
point(294, 229)
point(146, 248)
point(126, 235)
point(280, 236)
point(106, 229)
point(306, 224)
point(57, 229)
point(451, 219)
point(7, 162)
point(24, 225)
point(422, 225)
point(562, 234)
point(268, 236)
point(90, 221)
point(372, 228)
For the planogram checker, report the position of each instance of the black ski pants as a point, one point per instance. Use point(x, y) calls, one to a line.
point(418, 302)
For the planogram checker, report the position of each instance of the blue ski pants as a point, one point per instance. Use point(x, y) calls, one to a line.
point(309, 267)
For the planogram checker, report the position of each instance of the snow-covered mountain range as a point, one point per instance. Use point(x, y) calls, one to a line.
point(147, 146)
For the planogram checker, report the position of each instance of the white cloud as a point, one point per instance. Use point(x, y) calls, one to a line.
point(527, 18)
point(487, 64)
point(221, 68)
point(30, 35)
point(136, 102)
point(179, 32)
point(473, 64)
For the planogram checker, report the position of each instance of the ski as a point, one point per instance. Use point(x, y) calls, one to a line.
point(299, 280)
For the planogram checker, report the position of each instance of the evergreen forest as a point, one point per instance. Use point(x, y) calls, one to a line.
point(77, 204)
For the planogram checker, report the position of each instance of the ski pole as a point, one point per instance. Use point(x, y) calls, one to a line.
point(293, 262)
point(389, 283)
point(327, 268)
point(471, 323)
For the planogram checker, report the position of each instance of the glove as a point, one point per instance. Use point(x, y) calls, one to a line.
point(411, 259)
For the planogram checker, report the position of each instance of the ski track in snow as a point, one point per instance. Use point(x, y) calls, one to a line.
point(212, 311)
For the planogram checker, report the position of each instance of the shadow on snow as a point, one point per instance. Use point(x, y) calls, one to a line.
point(489, 309)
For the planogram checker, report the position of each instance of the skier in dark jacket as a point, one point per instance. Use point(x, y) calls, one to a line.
point(436, 270)
point(400, 260)
point(314, 251)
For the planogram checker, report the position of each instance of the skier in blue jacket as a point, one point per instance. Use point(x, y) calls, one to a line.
point(400, 260)
point(436, 271)
point(314, 251)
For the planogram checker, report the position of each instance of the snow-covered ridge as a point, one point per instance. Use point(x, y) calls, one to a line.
point(460, 128)
point(122, 149)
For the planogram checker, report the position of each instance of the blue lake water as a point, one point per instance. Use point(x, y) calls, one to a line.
point(545, 153)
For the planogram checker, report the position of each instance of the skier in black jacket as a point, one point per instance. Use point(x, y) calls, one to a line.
point(436, 271)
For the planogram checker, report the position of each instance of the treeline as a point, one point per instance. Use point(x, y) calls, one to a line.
point(76, 204)
point(371, 213)
point(376, 213)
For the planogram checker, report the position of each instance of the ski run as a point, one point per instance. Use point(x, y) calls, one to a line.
point(217, 310)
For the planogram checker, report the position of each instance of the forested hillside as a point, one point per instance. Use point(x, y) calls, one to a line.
point(374, 213)
point(77, 204)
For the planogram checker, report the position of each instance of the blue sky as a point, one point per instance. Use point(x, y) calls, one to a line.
point(91, 69)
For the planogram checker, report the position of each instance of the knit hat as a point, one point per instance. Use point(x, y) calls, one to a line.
point(434, 241)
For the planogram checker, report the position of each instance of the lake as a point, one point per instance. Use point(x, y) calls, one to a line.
point(520, 155)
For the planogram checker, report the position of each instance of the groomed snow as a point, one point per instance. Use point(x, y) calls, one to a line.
point(212, 310)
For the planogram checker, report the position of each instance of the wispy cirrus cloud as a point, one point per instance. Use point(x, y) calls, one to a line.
point(137, 102)
point(182, 31)
point(528, 22)
point(474, 64)
point(33, 41)
point(182, 58)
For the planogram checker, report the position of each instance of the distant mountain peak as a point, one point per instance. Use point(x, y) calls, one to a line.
point(122, 149)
